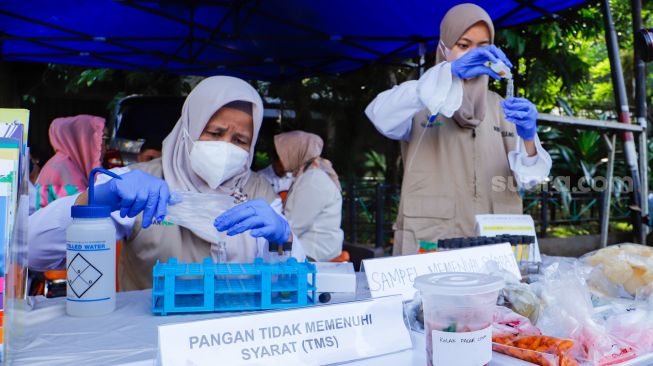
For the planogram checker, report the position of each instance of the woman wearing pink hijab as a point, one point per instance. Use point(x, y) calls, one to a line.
point(78, 145)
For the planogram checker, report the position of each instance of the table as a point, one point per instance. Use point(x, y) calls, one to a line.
point(128, 336)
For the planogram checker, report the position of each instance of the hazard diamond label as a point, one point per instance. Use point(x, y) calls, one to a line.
point(82, 275)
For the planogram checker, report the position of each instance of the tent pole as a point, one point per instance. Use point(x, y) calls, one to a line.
point(607, 194)
point(640, 112)
point(623, 114)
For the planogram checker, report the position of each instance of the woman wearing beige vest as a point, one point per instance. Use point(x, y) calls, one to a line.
point(209, 151)
point(465, 150)
point(314, 202)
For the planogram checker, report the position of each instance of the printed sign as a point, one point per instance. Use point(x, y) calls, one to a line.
point(493, 225)
point(308, 336)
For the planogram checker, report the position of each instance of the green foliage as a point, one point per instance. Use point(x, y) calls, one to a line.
point(76, 80)
point(261, 160)
point(375, 165)
point(567, 60)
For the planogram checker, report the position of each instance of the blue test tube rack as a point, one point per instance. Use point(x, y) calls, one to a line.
point(210, 287)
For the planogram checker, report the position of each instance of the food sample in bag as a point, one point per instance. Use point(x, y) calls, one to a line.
point(540, 350)
point(626, 266)
point(507, 326)
point(521, 299)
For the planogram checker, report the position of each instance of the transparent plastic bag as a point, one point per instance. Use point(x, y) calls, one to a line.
point(507, 326)
point(620, 270)
point(516, 295)
point(539, 350)
point(414, 313)
point(197, 212)
point(634, 328)
point(568, 313)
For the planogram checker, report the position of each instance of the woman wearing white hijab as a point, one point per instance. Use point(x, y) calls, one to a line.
point(209, 151)
point(466, 151)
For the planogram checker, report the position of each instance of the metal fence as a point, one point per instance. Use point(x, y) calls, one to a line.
point(370, 208)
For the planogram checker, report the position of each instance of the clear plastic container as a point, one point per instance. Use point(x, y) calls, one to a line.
point(458, 309)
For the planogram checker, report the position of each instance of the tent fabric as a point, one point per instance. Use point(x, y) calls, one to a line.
point(254, 39)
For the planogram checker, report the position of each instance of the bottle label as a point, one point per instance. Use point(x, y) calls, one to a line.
point(90, 269)
point(87, 247)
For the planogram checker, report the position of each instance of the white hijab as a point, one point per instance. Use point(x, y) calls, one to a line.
point(201, 104)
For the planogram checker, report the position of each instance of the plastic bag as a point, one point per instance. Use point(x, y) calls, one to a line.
point(538, 349)
point(568, 314)
point(620, 270)
point(197, 212)
point(414, 313)
point(507, 326)
point(634, 328)
point(516, 295)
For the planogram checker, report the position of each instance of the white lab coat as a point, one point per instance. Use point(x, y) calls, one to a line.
point(279, 184)
point(392, 112)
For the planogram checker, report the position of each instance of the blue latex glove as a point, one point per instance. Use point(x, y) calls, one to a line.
point(137, 191)
point(472, 63)
point(523, 114)
point(255, 215)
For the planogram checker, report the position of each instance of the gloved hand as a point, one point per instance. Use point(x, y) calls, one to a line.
point(523, 114)
point(472, 63)
point(255, 215)
point(137, 191)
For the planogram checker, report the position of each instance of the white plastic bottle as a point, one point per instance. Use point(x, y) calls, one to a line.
point(91, 259)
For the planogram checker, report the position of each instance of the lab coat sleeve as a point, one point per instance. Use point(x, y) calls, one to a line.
point(529, 171)
point(46, 234)
point(392, 111)
point(297, 248)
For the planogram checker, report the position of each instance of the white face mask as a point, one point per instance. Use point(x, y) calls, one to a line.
point(217, 161)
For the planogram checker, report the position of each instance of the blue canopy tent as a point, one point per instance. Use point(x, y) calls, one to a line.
point(252, 39)
point(277, 39)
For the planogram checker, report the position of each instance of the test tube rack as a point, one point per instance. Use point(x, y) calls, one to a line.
point(210, 287)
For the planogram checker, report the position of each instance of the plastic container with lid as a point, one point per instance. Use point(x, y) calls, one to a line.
point(91, 257)
point(458, 309)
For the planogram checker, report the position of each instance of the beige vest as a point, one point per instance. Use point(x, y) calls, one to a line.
point(449, 177)
point(140, 252)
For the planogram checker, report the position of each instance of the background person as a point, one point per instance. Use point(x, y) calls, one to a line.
point(78, 143)
point(314, 203)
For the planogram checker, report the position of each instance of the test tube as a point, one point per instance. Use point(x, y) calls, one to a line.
point(280, 253)
point(220, 252)
point(504, 71)
point(219, 249)
point(510, 88)
point(530, 242)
